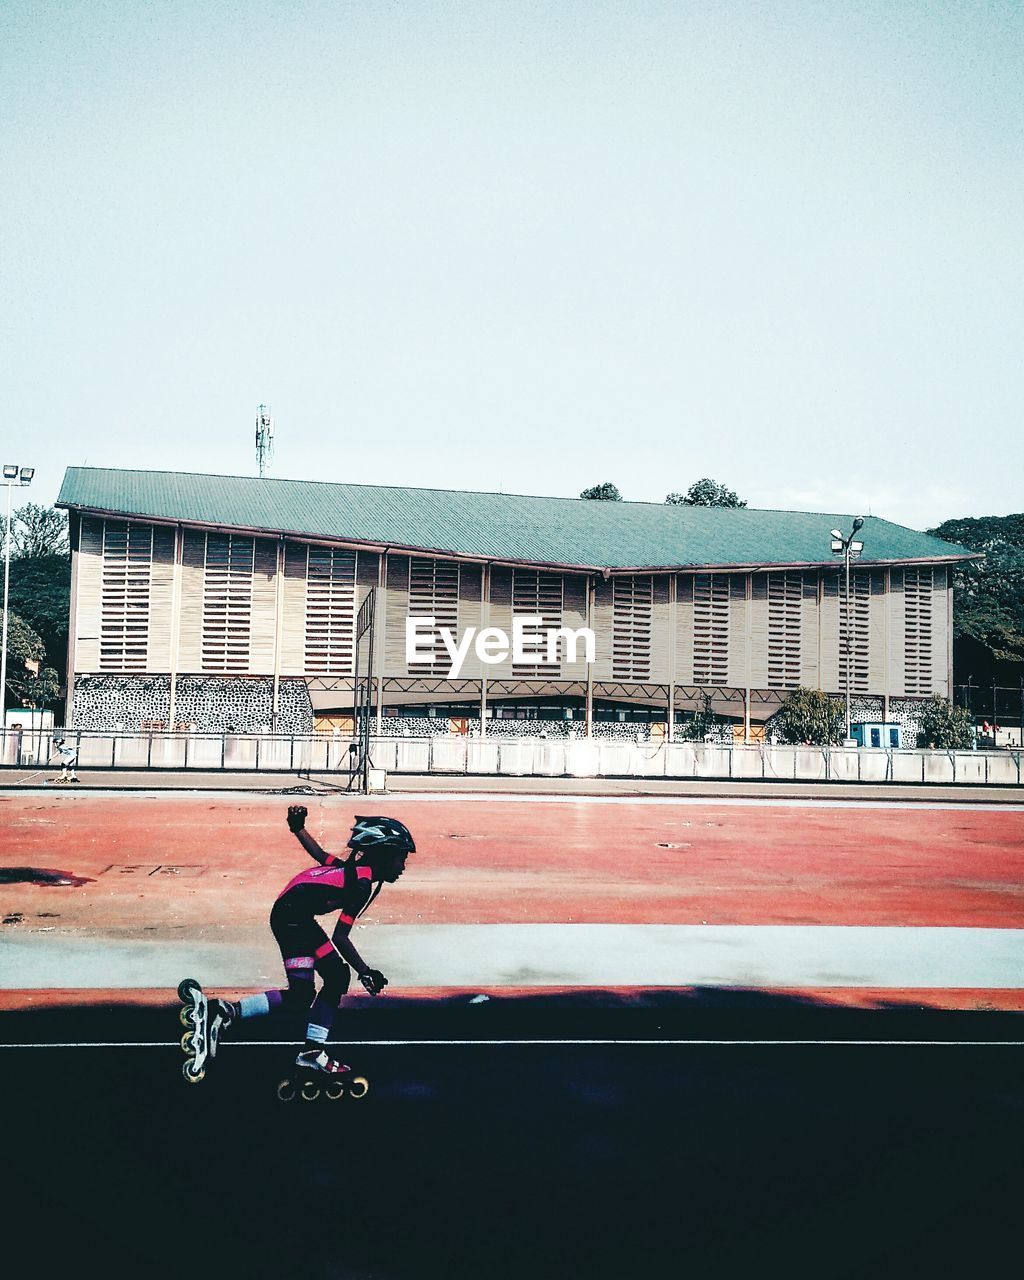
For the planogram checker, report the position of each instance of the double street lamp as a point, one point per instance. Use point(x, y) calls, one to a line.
point(20, 476)
point(848, 548)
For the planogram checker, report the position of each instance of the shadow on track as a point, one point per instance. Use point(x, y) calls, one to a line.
point(538, 1160)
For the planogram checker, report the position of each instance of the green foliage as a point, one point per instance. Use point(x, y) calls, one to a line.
point(705, 493)
point(810, 716)
point(943, 725)
point(988, 597)
point(39, 531)
point(606, 492)
point(28, 681)
point(700, 724)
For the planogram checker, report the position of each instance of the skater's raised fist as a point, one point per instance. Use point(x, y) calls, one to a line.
point(296, 817)
point(374, 981)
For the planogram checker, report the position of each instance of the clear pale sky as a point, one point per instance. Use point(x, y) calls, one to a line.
point(521, 246)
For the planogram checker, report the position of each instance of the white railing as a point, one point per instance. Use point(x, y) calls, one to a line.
point(510, 757)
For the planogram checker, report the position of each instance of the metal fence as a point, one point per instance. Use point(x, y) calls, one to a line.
point(512, 757)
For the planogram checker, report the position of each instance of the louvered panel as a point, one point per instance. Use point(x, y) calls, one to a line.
point(537, 594)
point(330, 611)
point(684, 629)
point(632, 622)
point(876, 632)
point(940, 631)
point(293, 622)
point(500, 615)
point(470, 615)
point(758, 677)
point(897, 627)
point(661, 632)
point(227, 602)
point(736, 667)
point(434, 592)
point(785, 629)
point(124, 611)
point(854, 633)
point(810, 675)
point(89, 567)
point(710, 628)
point(158, 656)
point(830, 636)
point(396, 604)
point(604, 629)
point(193, 560)
point(574, 616)
point(367, 578)
point(918, 631)
point(264, 607)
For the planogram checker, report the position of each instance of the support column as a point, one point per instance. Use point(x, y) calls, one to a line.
point(278, 620)
point(179, 542)
point(483, 707)
point(380, 614)
point(589, 721)
point(673, 626)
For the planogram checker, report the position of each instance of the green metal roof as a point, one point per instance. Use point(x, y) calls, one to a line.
point(569, 532)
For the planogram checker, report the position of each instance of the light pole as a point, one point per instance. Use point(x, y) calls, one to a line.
point(21, 476)
point(848, 549)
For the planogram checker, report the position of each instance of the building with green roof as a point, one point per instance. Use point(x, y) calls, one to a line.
point(221, 602)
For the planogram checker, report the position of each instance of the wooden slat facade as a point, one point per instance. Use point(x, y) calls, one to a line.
point(768, 630)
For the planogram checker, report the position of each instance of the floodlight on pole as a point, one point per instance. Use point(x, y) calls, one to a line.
point(848, 548)
point(21, 476)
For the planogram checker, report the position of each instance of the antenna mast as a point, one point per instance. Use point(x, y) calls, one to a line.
point(264, 438)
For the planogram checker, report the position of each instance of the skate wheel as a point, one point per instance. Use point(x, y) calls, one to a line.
point(186, 1041)
point(335, 1089)
point(286, 1090)
point(185, 1016)
point(186, 987)
point(191, 1073)
point(359, 1087)
point(310, 1091)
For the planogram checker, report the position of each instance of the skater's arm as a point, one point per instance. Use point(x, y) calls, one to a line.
point(372, 979)
point(297, 825)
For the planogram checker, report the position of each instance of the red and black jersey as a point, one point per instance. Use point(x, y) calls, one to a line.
point(345, 887)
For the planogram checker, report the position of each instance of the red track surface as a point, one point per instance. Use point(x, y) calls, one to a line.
point(539, 862)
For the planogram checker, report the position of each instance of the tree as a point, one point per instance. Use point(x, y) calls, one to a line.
point(40, 587)
point(705, 493)
point(27, 679)
point(810, 716)
point(700, 724)
point(606, 492)
point(39, 531)
point(943, 725)
point(988, 597)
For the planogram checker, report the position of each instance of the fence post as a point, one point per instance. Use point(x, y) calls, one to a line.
point(291, 755)
point(149, 751)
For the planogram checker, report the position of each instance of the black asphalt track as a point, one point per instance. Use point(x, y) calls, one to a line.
point(714, 1136)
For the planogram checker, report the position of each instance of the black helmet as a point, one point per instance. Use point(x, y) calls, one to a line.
point(385, 835)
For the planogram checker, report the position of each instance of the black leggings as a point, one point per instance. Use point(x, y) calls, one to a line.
point(306, 950)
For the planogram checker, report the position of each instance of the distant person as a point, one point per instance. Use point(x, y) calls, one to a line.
point(379, 847)
point(68, 760)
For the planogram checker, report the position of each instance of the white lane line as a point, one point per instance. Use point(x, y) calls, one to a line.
point(400, 1044)
point(502, 797)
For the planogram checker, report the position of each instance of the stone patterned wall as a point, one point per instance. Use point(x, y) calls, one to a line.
point(210, 704)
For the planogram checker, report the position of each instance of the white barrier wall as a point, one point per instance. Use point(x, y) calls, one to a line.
point(516, 757)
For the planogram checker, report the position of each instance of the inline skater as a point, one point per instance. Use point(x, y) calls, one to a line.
point(379, 847)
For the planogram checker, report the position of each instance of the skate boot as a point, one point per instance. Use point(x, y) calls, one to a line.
point(317, 1074)
point(219, 1016)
